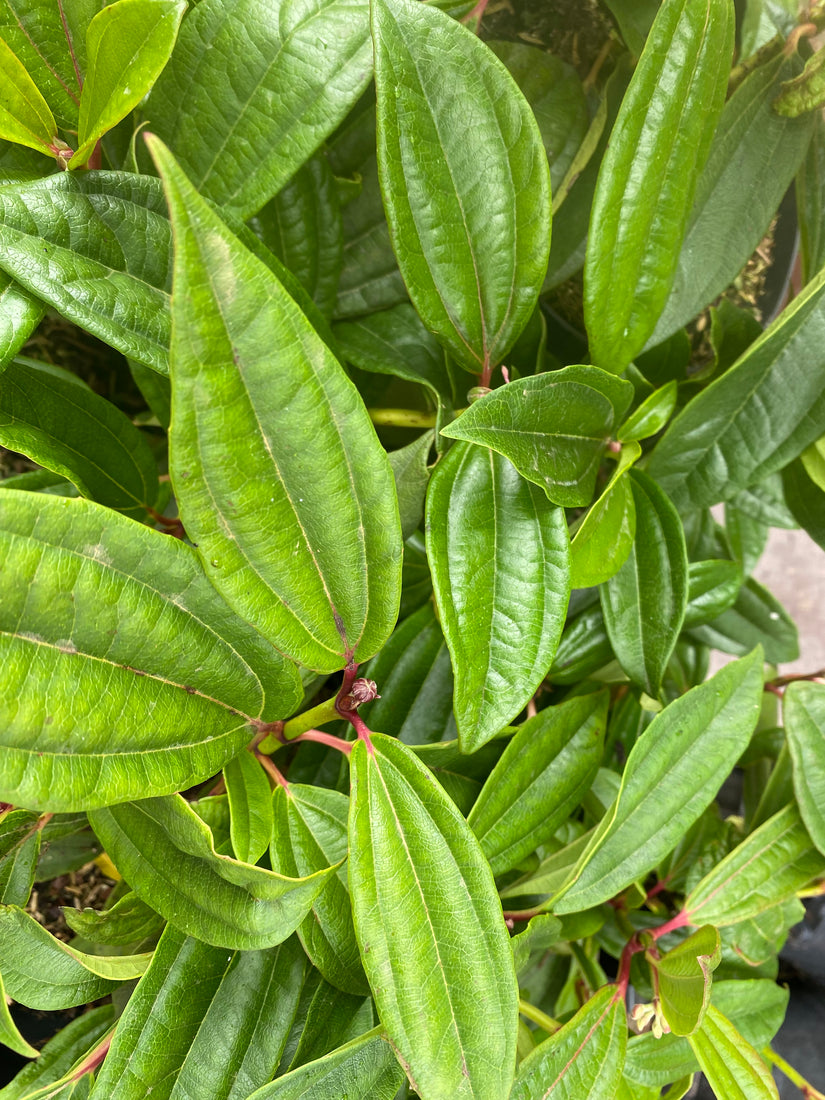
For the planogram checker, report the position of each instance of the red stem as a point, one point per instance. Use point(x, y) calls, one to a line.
point(324, 739)
point(269, 767)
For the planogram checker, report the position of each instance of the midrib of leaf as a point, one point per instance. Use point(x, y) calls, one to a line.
point(577, 1053)
point(70, 44)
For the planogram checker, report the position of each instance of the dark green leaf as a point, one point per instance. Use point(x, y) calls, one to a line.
point(756, 618)
point(643, 200)
point(129, 920)
point(322, 578)
point(167, 855)
point(432, 936)
point(20, 836)
point(810, 202)
point(471, 232)
point(803, 707)
point(584, 648)
point(60, 1053)
point(746, 537)
point(712, 588)
point(326, 1019)
point(250, 807)
point(412, 476)
point(500, 562)
point(635, 18)
point(539, 780)
point(733, 1068)
point(805, 500)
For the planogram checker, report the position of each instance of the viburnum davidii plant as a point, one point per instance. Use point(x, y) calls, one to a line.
point(369, 653)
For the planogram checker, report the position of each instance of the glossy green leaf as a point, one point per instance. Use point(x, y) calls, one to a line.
point(584, 1058)
point(432, 936)
point(552, 427)
point(644, 602)
point(37, 35)
point(770, 865)
point(324, 585)
point(129, 920)
point(114, 689)
point(644, 196)
point(683, 979)
point(20, 314)
point(48, 415)
point(712, 588)
point(803, 708)
point(311, 834)
point(500, 562)
point(250, 807)
point(167, 855)
point(652, 415)
point(539, 780)
point(756, 417)
point(752, 162)
point(20, 836)
point(203, 1022)
point(25, 117)
point(40, 971)
point(470, 223)
point(755, 618)
point(268, 80)
point(685, 749)
point(733, 1068)
point(605, 538)
point(127, 45)
point(363, 1067)
point(302, 226)
point(60, 1053)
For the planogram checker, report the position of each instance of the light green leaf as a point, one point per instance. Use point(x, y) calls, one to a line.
point(756, 417)
point(733, 1068)
point(167, 855)
point(365, 1066)
point(499, 558)
point(752, 162)
point(470, 223)
point(311, 834)
point(644, 602)
point(552, 427)
point(129, 920)
point(20, 314)
point(770, 865)
point(683, 979)
point(25, 117)
point(62, 1052)
point(755, 618)
point(62, 425)
point(36, 33)
point(203, 1022)
point(657, 149)
point(539, 780)
point(605, 537)
point(42, 972)
point(685, 749)
point(113, 689)
point(127, 45)
point(803, 708)
point(9, 1034)
point(553, 871)
point(584, 1058)
point(652, 415)
point(542, 931)
point(250, 807)
point(712, 588)
point(431, 933)
point(321, 579)
point(268, 81)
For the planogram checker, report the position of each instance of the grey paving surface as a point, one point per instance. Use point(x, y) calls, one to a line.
point(793, 568)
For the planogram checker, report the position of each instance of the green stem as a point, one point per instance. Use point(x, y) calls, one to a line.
point(309, 720)
point(402, 418)
point(794, 1076)
point(545, 1022)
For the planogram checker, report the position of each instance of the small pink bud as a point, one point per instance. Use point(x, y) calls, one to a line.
point(363, 691)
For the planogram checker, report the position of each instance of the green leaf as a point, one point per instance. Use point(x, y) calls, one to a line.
point(431, 933)
point(471, 233)
point(756, 417)
point(310, 835)
point(805, 500)
point(203, 1022)
point(36, 33)
point(250, 807)
point(9, 1034)
point(60, 1053)
point(635, 18)
point(127, 45)
point(20, 836)
point(326, 1019)
point(412, 476)
point(542, 931)
point(644, 602)
point(48, 415)
point(553, 871)
point(167, 855)
point(652, 415)
point(733, 1068)
point(20, 314)
point(584, 1058)
point(809, 203)
point(753, 159)
point(321, 579)
point(267, 81)
point(552, 427)
point(605, 537)
point(803, 708)
point(644, 196)
point(302, 226)
point(683, 979)
point(114, 690)
point(746, 538)
point(770, 865)
point(539, 780)
point(685, 749)
point(363, 1067)
point(25, 117)
point(129, 920)
point(584, 648)
point(712, 588)
point(42, 972)
point(755, 618)
point(500, 563)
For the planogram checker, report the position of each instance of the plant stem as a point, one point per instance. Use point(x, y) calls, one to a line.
point(545, 1022)
point(269, 767)
point(793, 1075)
point(326, 739)
point(316, 716)
point(402, 418)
